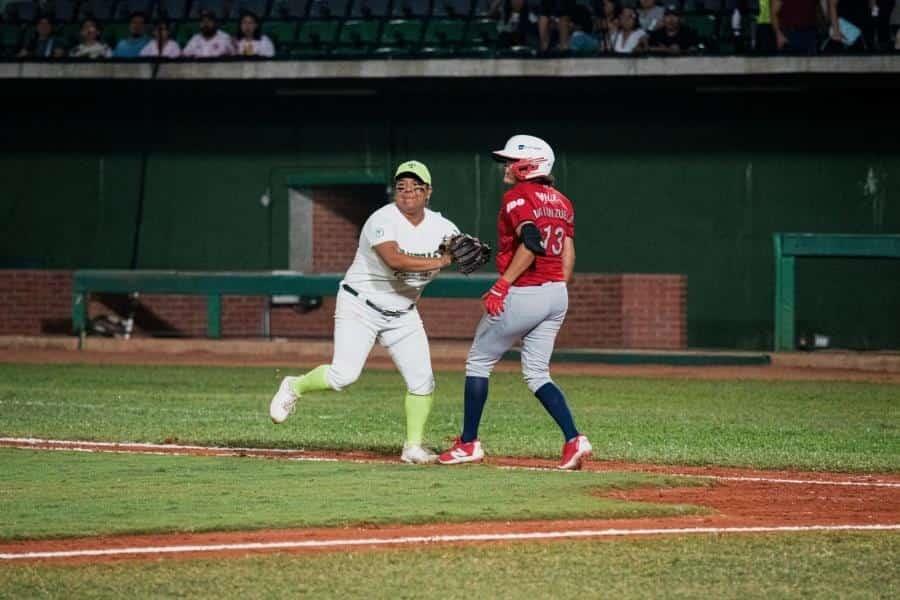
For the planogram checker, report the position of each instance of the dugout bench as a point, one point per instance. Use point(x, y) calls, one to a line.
point(215, 284)
point(790, 246)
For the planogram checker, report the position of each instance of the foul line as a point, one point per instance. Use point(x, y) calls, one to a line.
point(433, 539)
point(296, 455)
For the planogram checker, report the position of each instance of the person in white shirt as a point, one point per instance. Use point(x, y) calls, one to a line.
point(90, 46)
point(211, 42)
point(398, 254)
point(161, 46)
point(250, 40)
point(628, 39)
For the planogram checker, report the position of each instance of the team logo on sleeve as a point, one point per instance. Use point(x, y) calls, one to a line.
point(379, 233)
point(512, 204)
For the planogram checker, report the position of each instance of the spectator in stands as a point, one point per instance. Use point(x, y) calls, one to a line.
point(794, 23)
point(673, 38)
point(210, 42)
point(161, 46)
point(559, 12)
point(131, 46)
point(629, 38)
point(90, 46)
point(250, 40)
point(517, 23)
point(848, 19)
point(43, 44)
point(650, 16)
point(582, 42)
point(764, 40)
point(607, 23)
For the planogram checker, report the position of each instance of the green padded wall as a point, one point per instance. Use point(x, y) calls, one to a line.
point(664, 179)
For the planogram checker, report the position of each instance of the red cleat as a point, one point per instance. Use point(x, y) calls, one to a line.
point(574, 452)
point(462, 452)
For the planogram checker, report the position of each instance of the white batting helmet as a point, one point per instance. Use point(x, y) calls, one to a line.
point(532, 157)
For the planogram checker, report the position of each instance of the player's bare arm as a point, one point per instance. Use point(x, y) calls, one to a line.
point(568, 259)
point(390, 253)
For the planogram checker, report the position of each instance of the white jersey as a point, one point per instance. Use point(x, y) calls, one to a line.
point(218, 45)
point(372, 278)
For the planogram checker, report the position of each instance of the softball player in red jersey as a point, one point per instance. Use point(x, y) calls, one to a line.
point(535, 258)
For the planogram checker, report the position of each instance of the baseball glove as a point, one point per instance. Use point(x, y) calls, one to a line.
point(469, 253)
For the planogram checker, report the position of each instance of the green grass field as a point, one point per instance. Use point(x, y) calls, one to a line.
point(63, 494)
point(808, 425)
point(769, 566)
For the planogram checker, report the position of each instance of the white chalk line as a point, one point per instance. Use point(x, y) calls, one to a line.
point(434, 539)
point(173, 450)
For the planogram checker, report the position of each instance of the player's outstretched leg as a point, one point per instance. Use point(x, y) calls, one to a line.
point(577, 447)
point(467, 448)
point(417, 406)
point(291, 388)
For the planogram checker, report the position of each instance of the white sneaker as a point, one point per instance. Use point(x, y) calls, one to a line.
point(415, 454)
point(283, 401)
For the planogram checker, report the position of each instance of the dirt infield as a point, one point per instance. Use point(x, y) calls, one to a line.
point(738, 499)
point(376, 361)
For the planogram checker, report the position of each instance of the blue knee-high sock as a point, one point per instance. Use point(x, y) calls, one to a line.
point(476, 396)
point(553, 400)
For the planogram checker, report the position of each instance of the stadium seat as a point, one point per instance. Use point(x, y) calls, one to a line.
point(172, 9)
point(70, 33)
point(185, 31)
point(65, 11)
point(126, 7)
point(329, 8)
point(452, 8)
point(410, 9)
point(365, 9)
point(20, 12)
point(316, 37)
point(11, 36)
point(358, 36)
point(401, 36)
point(216, 6)
point(260, 8)
point(282, 33)
point(113, 32)
point(703, 24)
point(444, 33)
point(482, 32)
point(97, 9)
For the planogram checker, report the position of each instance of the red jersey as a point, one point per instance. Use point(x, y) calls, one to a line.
point(552, 214)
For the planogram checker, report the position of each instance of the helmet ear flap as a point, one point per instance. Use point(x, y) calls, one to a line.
point(523, 168)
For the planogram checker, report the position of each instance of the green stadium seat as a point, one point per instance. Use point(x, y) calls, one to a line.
point(482, 32)
point(70, 34)
point(11, 37)
point(185, 31)
point(704, 25)
point(283, 34)
point(260, 8)
point(358, 34)
point(316, 37)
point(411, 9)
point(172, 9)
point(113, 32)
point(402, 33)
point(452, 8)
point(366, 9)
point(443, 34)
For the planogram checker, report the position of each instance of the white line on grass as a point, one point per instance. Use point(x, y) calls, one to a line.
point(434, 539)
point(173, 449)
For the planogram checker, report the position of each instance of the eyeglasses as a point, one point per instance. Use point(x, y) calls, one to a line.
point(403, 188)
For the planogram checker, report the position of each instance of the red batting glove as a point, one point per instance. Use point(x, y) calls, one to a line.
point(493, 299)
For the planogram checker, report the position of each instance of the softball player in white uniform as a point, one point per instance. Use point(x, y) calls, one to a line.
point(397, 256)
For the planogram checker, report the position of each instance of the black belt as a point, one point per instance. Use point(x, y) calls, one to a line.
point(370, 304)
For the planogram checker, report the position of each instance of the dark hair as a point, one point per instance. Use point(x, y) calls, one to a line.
point(44, 17)
point(138, 13)
point(257, 35)
point(87, 20)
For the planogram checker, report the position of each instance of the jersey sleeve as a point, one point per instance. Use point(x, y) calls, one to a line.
point(516, 208)
point(379, 229)
point(570, 224)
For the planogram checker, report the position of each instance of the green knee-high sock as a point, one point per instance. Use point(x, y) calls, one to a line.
point(417, 409)
point(313, 381)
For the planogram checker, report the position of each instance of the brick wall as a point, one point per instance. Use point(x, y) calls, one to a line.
point(605, 311)
point(337, 217)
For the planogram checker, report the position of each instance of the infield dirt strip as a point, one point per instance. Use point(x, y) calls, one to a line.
point(742, 501)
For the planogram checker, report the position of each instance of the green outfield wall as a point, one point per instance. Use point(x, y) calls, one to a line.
point(687, 178)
